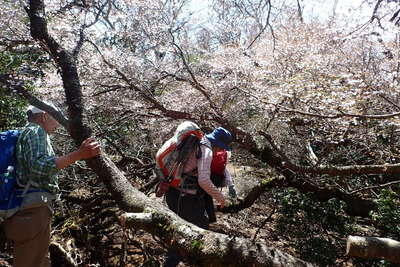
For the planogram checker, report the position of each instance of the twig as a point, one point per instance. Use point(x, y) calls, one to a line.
point(263, 29)
point(264, 222)
point(390, 101)
point(195, 83)
point(374, 187)
point(18, 87)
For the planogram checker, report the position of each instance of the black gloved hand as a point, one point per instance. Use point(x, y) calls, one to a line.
point(232, 191)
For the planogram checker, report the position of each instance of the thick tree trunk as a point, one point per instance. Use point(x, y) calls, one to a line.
point(373, 248)
point(206, 247)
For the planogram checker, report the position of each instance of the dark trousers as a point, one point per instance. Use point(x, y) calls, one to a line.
point(208, 200)
point(191, 208)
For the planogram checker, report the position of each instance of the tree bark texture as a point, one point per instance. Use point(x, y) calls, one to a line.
point(67, 66)
point(209, 248)
point(373, 248)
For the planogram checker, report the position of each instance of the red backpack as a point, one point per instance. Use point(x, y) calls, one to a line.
point(218, 165)
point(218, 162)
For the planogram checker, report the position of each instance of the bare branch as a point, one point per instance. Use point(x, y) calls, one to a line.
point(374, 13)
point(81, 40)
point(252, 195)
point(263, 29)
point(395, 16)
point(374, 187)
point(69, 6)
point(67, 66)
point(342, 114)
point(345, 170)
point(390, 101)
point(271, 142)
point(319, 115)
point(79, 44)
point(18, 87)
point(148, 98)
point(195, 83)
point(99, 12)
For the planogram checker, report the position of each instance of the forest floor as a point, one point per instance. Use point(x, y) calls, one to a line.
point(138, 248)
point(258, 223)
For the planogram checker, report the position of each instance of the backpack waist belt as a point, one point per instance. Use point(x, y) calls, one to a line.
point(190, 184)
point(187, 191)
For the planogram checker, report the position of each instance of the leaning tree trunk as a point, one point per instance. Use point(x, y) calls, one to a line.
point(191, 240)
point(373, 248)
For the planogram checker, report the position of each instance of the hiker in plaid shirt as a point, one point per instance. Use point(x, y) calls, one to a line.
point(38, 165)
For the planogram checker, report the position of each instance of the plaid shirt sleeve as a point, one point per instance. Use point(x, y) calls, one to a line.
point(37, 156)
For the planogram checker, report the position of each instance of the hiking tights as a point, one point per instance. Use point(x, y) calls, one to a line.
point(189, 207)
point(30, 231)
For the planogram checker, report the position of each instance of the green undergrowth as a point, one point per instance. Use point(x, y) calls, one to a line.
point(318, 230)
point(315, 230)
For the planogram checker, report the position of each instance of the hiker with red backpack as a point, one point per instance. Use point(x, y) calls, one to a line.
point(192, 195)
point(220, 177)
point(29, 228)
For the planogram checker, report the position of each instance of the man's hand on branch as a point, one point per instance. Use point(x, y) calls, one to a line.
point(89, 148)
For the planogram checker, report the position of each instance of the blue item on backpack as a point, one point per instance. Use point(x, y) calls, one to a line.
point(9, 199)
point(8, 140)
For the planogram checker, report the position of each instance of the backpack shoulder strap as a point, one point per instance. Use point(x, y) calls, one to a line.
point(22, 133)
point(204, 141)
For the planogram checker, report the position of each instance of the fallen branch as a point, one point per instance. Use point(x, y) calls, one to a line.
point(373, 248)
point(60, 257)
point(335, 170)
point(344, 170)
point(252, 196)
point(356, 206)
